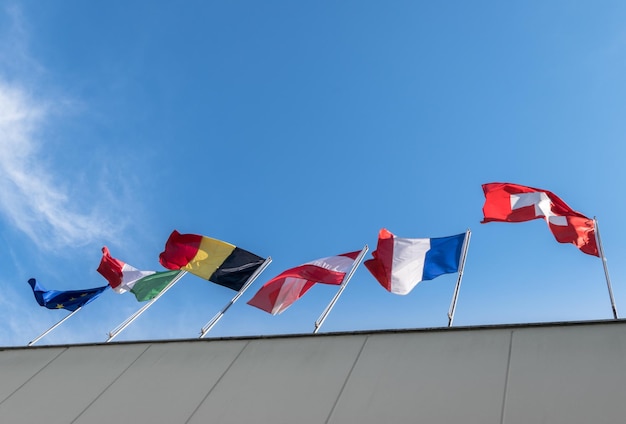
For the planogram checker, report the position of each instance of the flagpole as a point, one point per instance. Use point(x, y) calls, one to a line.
point(117, 330)
point(455, 296)
point(32, 342)
point(346, 279)
point(606, 269)
point(209, 325)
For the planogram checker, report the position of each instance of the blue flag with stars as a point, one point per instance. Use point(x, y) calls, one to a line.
point(70, 299)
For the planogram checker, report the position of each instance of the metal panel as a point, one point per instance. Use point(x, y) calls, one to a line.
point(572, 374)
point(277, 381)
point(166, 383)
point(69, 384)
point(439, 377)
point(18, 366)
point(557, 373)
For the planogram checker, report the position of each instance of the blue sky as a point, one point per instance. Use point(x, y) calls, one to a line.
point(297, 130)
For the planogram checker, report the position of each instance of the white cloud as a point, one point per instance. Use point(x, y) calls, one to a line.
point(32, 197)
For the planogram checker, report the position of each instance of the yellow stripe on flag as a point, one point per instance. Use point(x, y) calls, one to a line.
point(211, 255)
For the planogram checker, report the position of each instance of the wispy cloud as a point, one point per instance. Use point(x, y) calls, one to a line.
point(32, 197)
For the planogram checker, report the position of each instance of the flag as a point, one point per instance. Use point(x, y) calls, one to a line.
point(70, 299)
point(121, 276)
point(506, 202)
point(281, 291)
point(151, 285)
point(398, 264)
point(145, 285)
point(214, 260)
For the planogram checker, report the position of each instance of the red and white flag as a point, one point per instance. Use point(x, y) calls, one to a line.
point(281, 291)
point(505, 202)
point(121, 276)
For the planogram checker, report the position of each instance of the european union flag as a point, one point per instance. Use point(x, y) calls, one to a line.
point(70, 299)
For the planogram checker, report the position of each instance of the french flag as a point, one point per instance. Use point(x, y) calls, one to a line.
point(283, 290)
point(400, 263)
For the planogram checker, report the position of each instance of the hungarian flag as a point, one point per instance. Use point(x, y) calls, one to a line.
point(400, 263)
point(214, 260)
point(151, 285)
point(122, 278)
point(283, 290)
point(505, 202)
point(68, 299)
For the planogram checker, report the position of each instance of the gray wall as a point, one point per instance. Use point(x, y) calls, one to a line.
point(551, 373)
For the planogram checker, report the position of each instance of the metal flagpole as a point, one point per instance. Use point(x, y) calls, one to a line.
point(346, 279)
point(606, 269)
point(455, 296)
point(209, 325)
point(136, 315)
point(32, 342)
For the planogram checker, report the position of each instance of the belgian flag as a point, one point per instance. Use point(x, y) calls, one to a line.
point(214, 260)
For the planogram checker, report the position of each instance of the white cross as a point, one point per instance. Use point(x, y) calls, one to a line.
point(542, 204)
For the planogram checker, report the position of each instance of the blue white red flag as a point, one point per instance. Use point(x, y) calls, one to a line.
point(399, 264)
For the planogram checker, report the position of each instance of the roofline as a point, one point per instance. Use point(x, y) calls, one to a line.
point(335, 334)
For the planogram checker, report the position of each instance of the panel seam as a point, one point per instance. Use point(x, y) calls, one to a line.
point(34, 375)
point(345, 383)
point(217, 382)
point(506, 378)
point(110, 384)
